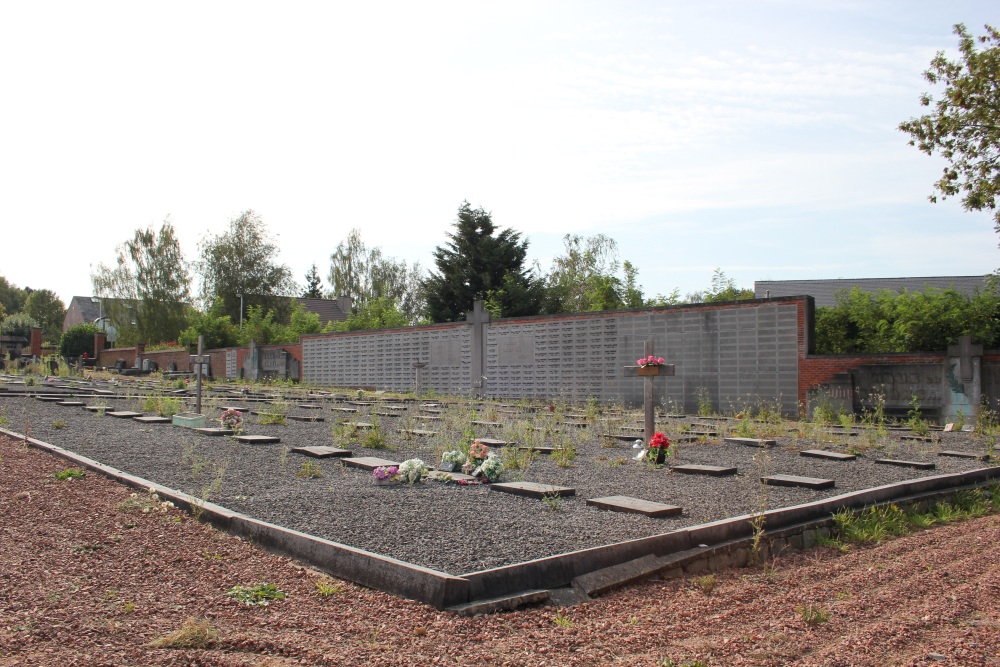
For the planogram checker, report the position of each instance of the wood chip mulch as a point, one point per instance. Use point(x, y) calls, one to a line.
point(88, 578)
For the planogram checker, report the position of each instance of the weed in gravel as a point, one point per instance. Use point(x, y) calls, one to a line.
point(58, 424)
point(831, 543)
point(258, 595)
point(87, 547)
point(706, 583)
point(283, 458)
point(562, 621)
point(69, 474)
point(618, 462)
point(813, 615)
point(194, 634)
point(552, 502)
point(328, 587)
point(309, 470)
point(762, 461)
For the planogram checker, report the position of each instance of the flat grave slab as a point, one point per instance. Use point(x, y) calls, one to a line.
point(634, 506)
point(154, 419)
point(917, 465)
point(123, 414)
point(310, 406)
point(358, 425)
point(73, 404)
point(213, 431)
point(429, 418)
point(533, 490)
point(306, 418)
point(705, 433)
point(917, 438)
point(698, 469)
point(418, 431)
point(814, 483)
point(625, 437)
point(50, 399)
point(455, 476)
point(492, 442)
point(576, 424)
point(258, 439)
point(237, 408)
point(367, 462)
point(430, 409)
point(751, 442)
point(361, 404)
point(347, 410)
point(830, 456)
point(539, 449)
point(637, 429)
point(965, 455)
point(322, 452)
point(486, 423)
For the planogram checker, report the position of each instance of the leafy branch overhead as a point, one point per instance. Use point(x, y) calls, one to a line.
point(964, 124)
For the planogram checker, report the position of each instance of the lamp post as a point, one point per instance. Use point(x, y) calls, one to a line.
point(241, 309)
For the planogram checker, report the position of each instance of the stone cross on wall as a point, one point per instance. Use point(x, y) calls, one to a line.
point(478, 318)
point(965, 351)
point(648, 398)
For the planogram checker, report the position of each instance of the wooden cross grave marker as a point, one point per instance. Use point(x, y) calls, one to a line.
point(649, 373)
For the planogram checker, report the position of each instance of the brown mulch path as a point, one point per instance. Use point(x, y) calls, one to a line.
point(87, 581)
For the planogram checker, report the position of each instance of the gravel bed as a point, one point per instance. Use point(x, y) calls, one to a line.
point(458, 529)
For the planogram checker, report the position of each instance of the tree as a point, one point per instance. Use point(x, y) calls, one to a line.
point(366, 275)
point(313, 282)
point(78, 339)
point(965, 122)
point(378, 313)
point(44, 306)
point(146, 293)
point(18, 324)
point(590, 277)
point(723, 288)
point(475, 262)
point(12, 297)
point(215, 327)
point(243, 260)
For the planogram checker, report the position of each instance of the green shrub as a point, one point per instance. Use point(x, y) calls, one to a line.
point(77, 340)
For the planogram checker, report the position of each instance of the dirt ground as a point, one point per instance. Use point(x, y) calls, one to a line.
point(87, 577)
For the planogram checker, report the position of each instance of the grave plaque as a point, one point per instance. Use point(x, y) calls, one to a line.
point(635, 506)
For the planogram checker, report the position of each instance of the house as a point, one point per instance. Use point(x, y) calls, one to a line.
point(825, 291)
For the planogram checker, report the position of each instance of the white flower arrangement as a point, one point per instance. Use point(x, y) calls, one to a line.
point(412, 471)
point(453, 456)
point(492, 468)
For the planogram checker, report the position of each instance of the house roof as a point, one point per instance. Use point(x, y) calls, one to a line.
point(825, 291)
point(89, 310)
point(329, 310)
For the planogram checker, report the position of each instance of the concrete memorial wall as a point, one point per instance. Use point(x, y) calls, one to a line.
point(737, 351)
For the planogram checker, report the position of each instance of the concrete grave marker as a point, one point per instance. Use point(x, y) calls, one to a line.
point(752, 442)
point(814, 483)
point(213, 431)
point(533, 490)
point(322, 452)
point(917, 465)
point(258, 439)
point(123, 414)
point(635, 506)
point(830, 456)
point(965, 455)
point(156, 419)
point(697, 469)
point(367, 462)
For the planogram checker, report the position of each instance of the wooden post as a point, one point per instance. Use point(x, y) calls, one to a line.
point(648, 374)
point(197, 400)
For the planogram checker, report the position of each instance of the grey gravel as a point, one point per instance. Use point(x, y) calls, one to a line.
point(457, 529)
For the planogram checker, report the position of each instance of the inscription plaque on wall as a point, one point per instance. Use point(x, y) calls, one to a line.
point(516, 350)
point(446, 352)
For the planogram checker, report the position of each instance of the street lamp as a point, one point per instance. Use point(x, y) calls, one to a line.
point(241, 309)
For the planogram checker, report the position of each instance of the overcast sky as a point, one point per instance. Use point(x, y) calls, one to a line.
point(759, 137)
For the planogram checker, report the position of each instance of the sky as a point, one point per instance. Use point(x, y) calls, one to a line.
point(760, 138)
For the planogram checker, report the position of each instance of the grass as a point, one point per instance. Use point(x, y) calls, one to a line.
point(58, 424)
point(813, 615)
point(194, 634)
point(326, 587)
point(309, 470)
point(258, 595)
point(69, 474)
point(552, 501)
point(562, 621)
point(706, 583)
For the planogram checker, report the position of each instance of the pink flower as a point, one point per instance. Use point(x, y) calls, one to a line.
point(650, 359)
point(640, 362)
point(660, 360)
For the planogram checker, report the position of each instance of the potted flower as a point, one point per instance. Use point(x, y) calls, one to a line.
point(477, 454)
point(650, 365)
point(492, 468)
point(659, 448)
point(451, 460)
point(232, 420)
point(412, 471)
point(385, 475)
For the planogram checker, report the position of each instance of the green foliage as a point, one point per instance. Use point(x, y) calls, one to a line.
point(146, 293)
point(78, 339)
point(215, 326)
point(327, 587)
point(964, 125)
point(12, 297)
point(313, 282)
point(722, 289)
point(704, 402)
point(309, 470)
point(243, 260)
point(378, 313)
point(590, 277)
point(706, 583)
point(48, 310)
point(18, 324)
point(562, 621)
point(259, 595)
point(69, 474)
point(194, 634)
point(367, 276)
point(475, 264)
point(886, 321)
point(813, 615)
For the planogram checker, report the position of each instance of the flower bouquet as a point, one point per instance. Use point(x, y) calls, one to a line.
point(451, 460)
point(659, 448)
point(478, 452)
point(412, 471)
point(650, 361)
point(232, 420)
point(492, 468)
point(384, 475)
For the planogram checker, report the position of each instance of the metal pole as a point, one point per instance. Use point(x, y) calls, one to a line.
point(197, 400)
point(241, 315)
